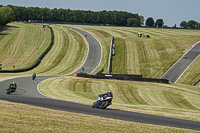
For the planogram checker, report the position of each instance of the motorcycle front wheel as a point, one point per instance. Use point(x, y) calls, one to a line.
point(93, 105)
point(8, 91)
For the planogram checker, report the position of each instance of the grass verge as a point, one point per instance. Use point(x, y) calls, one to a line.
point(151, 98)
point(16, 117)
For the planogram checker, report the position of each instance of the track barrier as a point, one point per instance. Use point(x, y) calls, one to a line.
point(195, 83)
point(129, 77)
point(112, 53)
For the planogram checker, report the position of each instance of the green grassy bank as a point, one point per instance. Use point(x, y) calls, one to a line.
point(16, 117)
point(179, 101)
point(150, 57)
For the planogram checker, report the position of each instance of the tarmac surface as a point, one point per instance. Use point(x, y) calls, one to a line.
point(176, 71)
point(27, 93)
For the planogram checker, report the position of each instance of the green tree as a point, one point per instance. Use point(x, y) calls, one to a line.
point(197, 26)
point(174, 26)
point(183, 24)
point(133, 22)
point(2, 17)
point(6, 15)
point(191, 24)
point(141, 20)
point(149, 22)
point(159, 23)
point(10, 14)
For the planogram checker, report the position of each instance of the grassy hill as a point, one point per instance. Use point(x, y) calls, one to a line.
point(19, 48)
point(192, 74)
point(175, 100)
point(16, 117)
point(67, 55)
point(151, 57)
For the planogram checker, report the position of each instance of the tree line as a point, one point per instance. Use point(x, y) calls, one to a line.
point(75, 16)
point(190, 24)
point(160, 23)
point(151, 23)
point(119, 18)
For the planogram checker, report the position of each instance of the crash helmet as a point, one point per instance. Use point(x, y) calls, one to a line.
point(110, 93)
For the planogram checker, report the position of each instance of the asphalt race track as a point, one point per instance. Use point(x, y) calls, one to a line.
point(27, 93)
point(94, 53)
point(175, 72)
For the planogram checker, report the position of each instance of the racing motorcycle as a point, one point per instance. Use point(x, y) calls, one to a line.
point(33, 76)
point(103, 100)
point(12, 88)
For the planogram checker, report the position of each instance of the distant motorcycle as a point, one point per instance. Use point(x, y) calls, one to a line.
point(34, 76)
point(12, 88)
point(103, 100)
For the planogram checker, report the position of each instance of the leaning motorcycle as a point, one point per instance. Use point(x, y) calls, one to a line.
point(11, 89)
point(103, 102)
point(34, 76)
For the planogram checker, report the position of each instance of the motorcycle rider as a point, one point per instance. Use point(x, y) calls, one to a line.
point(108, 94)
point(33, 76)
point(102, 96)
point(13, 86)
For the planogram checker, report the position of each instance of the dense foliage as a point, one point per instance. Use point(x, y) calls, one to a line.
point(150, 22)
point(132, 22)
point(74, 16)
point(190, 24)
point(159, 23)
point(6, 15)
point(119, 18)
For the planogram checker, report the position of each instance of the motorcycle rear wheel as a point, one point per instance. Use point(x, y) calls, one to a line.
point(33, 77)
point(104, 104)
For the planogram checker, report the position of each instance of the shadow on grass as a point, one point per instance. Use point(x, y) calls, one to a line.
point(3, 34)
point(3, 30)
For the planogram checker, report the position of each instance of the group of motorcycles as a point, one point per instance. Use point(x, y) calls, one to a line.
point(103, 100)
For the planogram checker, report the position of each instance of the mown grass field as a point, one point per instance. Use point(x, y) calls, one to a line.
point(19, 45)
point(149, 57)
point(151, 98)
point(16, 117)
point(67, 54)
point(192, 74)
